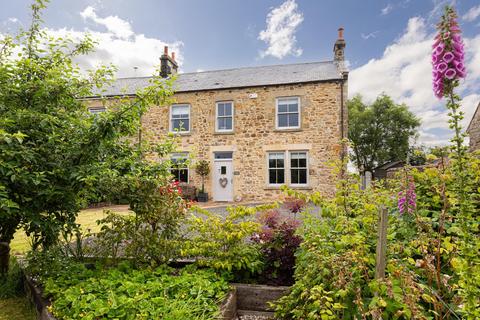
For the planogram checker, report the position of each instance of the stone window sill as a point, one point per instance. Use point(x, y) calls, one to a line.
point(221, 133)
point(288, 130)
point(181, 134)
point(290, 187)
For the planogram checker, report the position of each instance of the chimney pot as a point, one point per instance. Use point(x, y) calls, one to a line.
point(173, 56)
point(165, 50)
point(340, 33)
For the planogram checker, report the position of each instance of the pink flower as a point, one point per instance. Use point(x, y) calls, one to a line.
point(448, 57)
point(407, 199)
point(438, 50)
point(442, 67)
point(447, 54)
point(450, 74)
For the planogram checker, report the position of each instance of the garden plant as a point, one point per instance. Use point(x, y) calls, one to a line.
point(433, 240)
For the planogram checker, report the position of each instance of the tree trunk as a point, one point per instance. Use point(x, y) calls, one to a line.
point(4, 257)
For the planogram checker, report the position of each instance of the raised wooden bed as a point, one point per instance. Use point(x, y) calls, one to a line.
point(35, 294)
point(255, 297)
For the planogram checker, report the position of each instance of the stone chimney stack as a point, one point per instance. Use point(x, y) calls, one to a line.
point(168, 65)
point(339, 47)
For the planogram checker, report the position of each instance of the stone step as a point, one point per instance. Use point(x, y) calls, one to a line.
point(254, 315)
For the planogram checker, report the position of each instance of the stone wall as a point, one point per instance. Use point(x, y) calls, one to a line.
point(254, 134)
point(474, 131)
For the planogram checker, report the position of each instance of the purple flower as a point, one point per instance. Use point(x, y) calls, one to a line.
point(442, 67)
point(438, 50)
point(450, 74)
point(447, 54)
point(448, 57)
point(407, 199)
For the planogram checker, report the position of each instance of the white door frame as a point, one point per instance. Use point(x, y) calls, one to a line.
point(216, 176)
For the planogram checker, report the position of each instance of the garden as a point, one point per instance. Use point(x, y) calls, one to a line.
point(401, 248)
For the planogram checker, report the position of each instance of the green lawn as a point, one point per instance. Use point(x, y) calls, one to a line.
point(16, 309)
point(86, 218)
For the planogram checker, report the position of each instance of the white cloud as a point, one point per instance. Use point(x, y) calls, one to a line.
point(12, 20)
point(139, 51)
point(282, 24)
point(370, 35)
point(472, 14)
point(404, 72)
point(387, 9)
point(132, 53)
point(115, 25)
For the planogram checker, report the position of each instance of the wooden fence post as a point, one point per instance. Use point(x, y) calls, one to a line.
point(381, 260)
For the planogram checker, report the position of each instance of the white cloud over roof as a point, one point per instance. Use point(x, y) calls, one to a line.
point(279, 35)
point(134, 54)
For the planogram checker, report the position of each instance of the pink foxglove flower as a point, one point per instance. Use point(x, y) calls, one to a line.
point(407, 199)
point(447, 54)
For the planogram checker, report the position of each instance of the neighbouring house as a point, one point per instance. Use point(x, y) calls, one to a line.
point(473, 130)
point(384, 171)
point(259, 127)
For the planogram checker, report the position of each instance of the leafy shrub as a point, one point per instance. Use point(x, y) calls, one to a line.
point(295, 205)
point(150, 236)
point(126, 293)
point(430, 269)
point(11, 284)
point(278, 243)
point(223, 243)
point(203, 170)
point(49, 263)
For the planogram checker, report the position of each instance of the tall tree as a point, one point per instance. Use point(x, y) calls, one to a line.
point(379, 132)
point(52, 150)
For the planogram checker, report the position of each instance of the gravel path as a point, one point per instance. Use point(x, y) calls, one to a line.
point(222, 210)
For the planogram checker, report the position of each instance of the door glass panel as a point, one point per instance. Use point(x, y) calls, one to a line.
point(223, 170)
point(223, 155)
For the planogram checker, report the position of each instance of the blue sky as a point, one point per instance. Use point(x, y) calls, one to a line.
point(387, 41)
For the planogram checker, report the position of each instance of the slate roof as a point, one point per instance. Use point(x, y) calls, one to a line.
point(236, 78)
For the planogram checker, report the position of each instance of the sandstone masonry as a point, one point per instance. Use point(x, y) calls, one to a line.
point(243, 160)
point(474, 130)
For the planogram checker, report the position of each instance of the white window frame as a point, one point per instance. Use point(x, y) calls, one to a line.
point(97, 110)
point(216, 116)
point(277, 100)
point(181, 155)
point(284, 168)
point(189, 118)
point(290, 168)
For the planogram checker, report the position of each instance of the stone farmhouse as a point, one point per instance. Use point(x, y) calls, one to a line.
point(473, 130)
point(258, 127)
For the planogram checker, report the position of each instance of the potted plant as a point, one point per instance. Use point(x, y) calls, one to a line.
point(203, 169)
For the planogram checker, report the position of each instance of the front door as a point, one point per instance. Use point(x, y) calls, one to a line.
point(223, 180)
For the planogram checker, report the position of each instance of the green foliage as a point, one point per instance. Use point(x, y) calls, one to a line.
point(53, 152)
point(203, 169)
point(222, 242)
point(448, 237)
point(431, 272)
point(379, 132)
point(126, 293)
point(49, 263)
point(11, 284)
point(151, 236)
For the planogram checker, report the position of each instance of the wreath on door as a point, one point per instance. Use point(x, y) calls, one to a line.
point(223, 182)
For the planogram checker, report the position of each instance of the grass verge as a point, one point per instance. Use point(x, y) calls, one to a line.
point(86, 218)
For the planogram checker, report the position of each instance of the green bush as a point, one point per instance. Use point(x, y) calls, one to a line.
point(223, 243)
